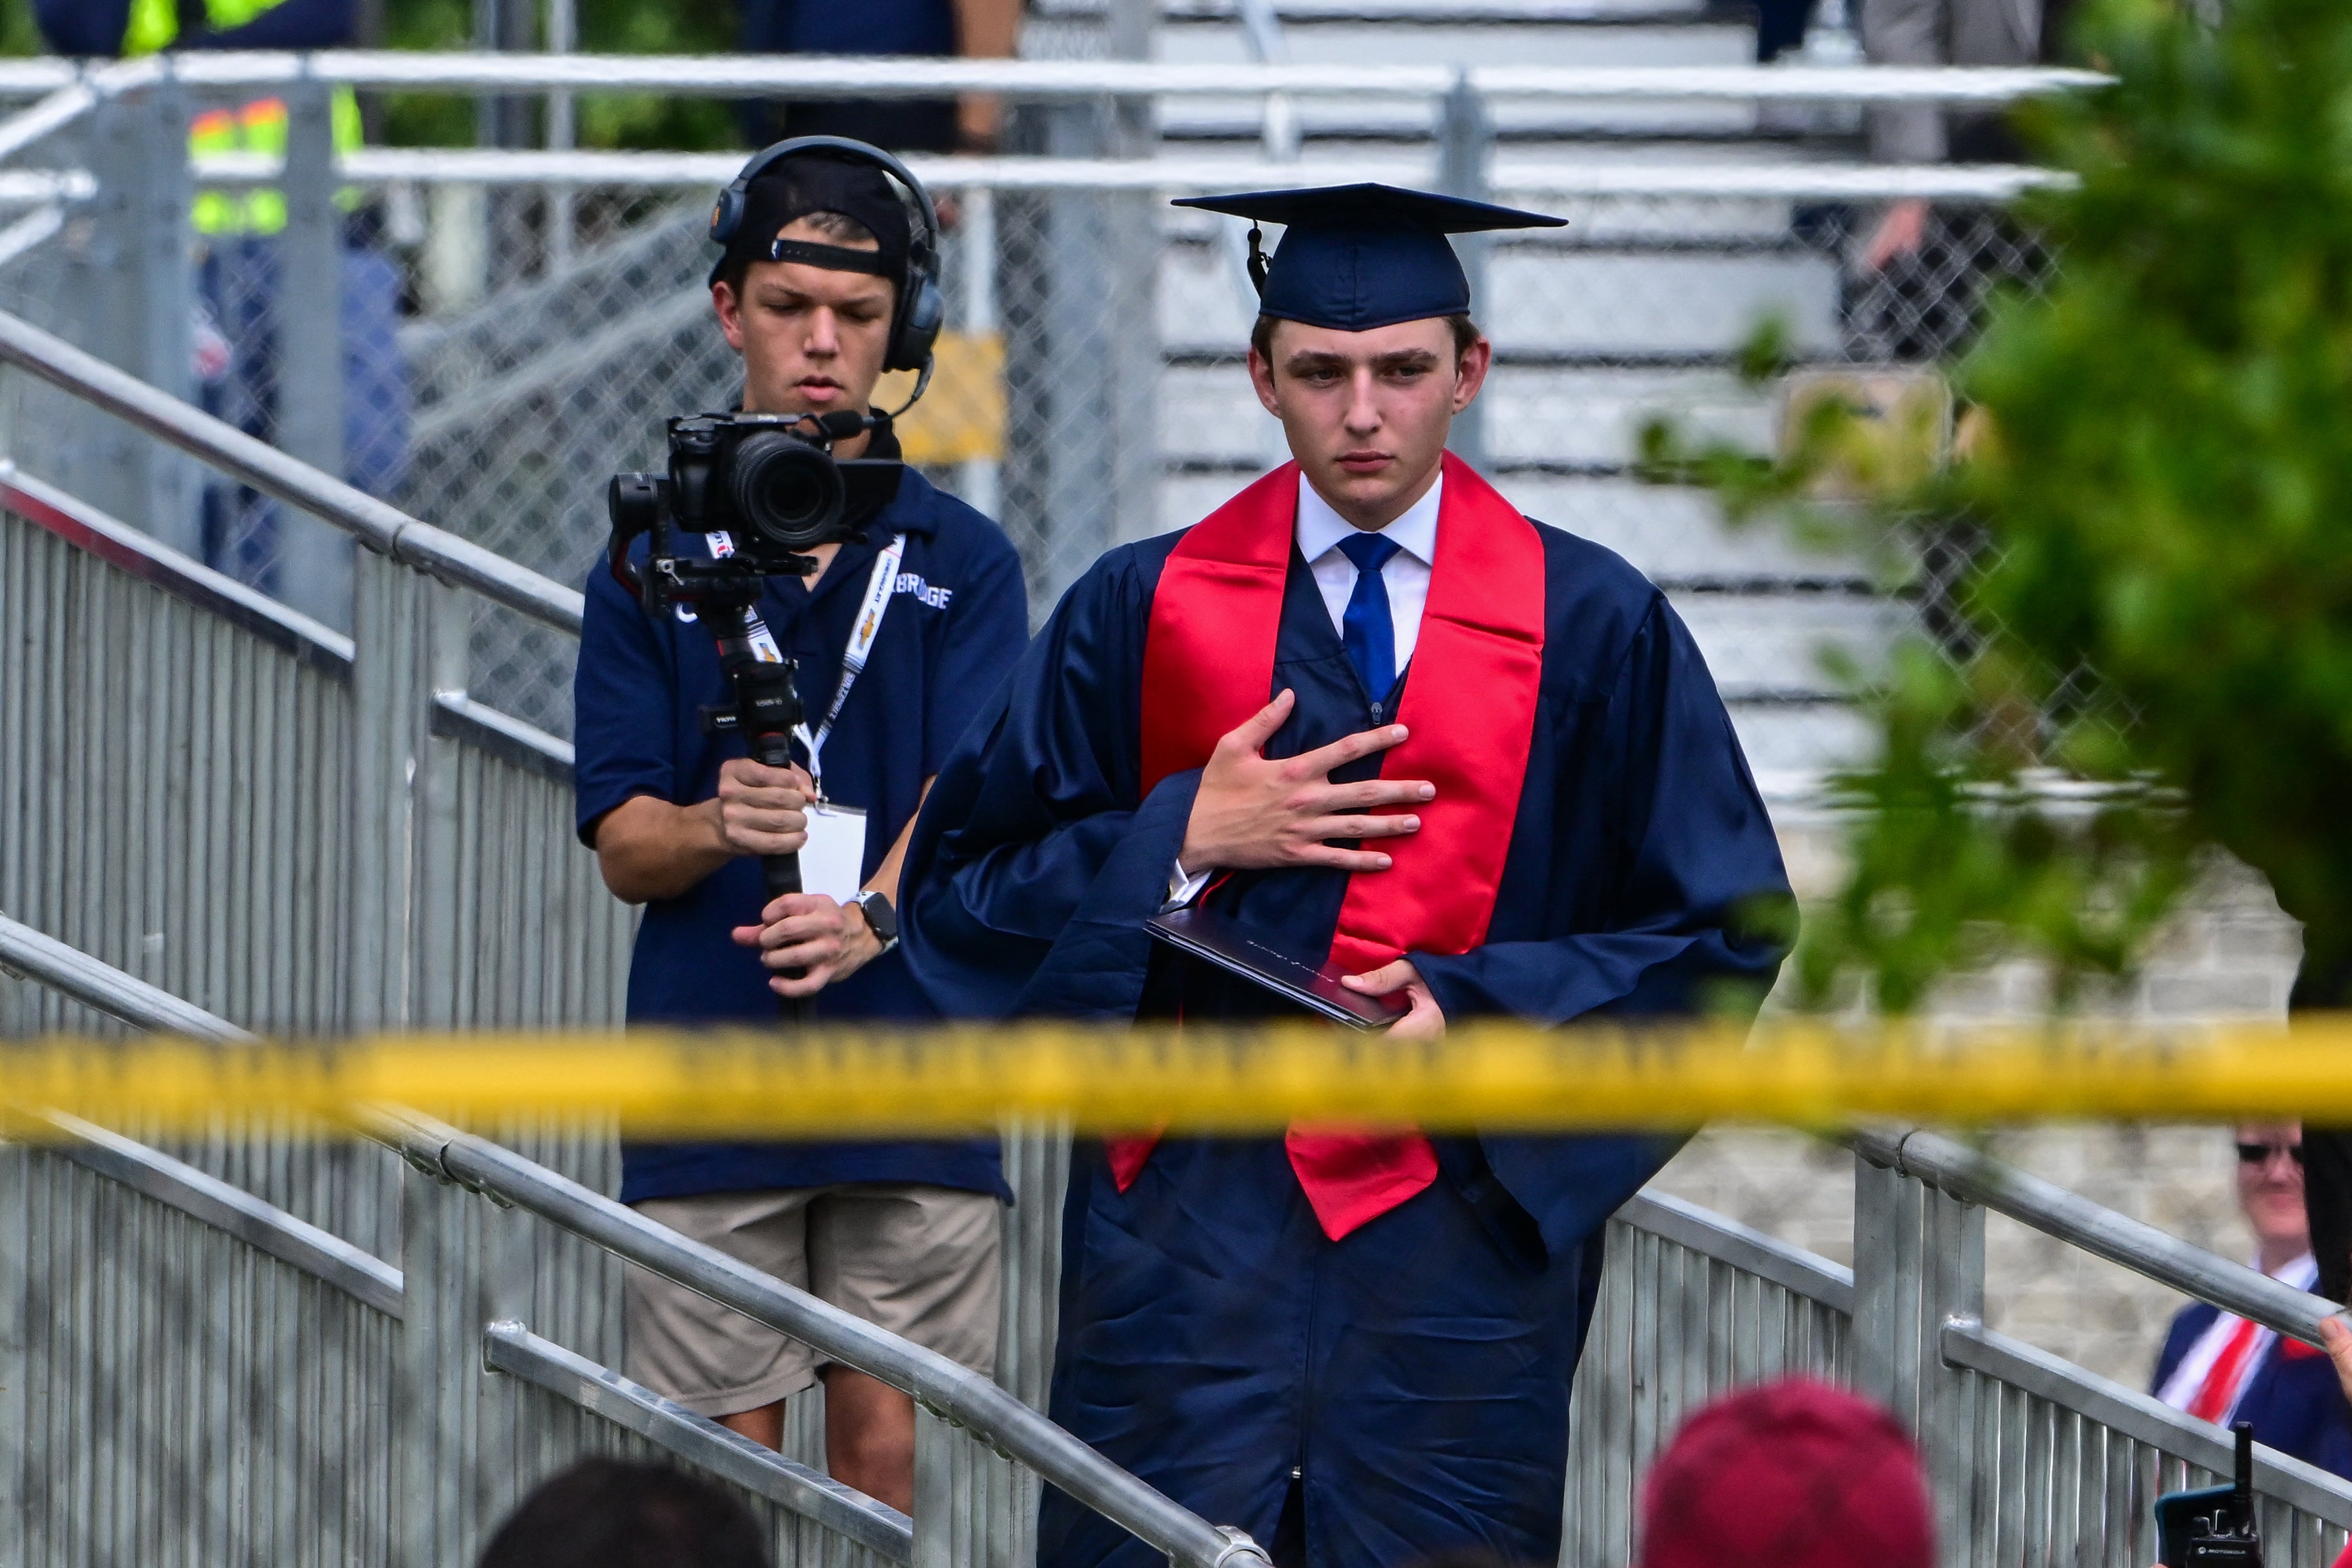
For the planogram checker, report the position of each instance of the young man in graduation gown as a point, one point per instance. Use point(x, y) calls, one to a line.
point(1368, 711)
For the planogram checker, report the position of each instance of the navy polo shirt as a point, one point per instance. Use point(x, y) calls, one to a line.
point(955, 624)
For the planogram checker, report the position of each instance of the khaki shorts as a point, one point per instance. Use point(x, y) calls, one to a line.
point(920, 1261)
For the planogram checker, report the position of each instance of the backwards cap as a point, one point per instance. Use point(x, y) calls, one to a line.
point(1356, 257)
point(815, 180)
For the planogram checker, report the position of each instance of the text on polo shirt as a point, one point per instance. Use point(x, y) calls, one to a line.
point(912, 582)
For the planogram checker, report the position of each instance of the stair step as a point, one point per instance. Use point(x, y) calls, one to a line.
point(1586, 304)
point(1678, 43)
point(1801, 740)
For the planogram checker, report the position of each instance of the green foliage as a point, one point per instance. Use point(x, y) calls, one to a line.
point(2163, 491)
point(604, 120)
point(18, 35)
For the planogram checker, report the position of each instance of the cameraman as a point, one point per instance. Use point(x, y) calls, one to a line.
point(905, 1235)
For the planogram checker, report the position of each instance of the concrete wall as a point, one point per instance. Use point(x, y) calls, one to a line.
point(2229, 955)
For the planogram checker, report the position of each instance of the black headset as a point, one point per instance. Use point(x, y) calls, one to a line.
point(921, 309)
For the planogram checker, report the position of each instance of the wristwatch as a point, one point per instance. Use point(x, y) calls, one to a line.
point(880, 916)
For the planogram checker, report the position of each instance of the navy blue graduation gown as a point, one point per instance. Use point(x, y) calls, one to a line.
point(1403, 1390)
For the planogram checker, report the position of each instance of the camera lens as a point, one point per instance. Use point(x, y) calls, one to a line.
point(788, 490)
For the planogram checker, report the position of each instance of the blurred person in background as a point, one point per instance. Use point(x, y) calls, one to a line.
point(901, 636)
point(608, 1514)
point(972, 29)
point(2222, 1368)
point(112, 28)
point(1948, 33)
point(239, 301)
point(1792, 1475)
point(1781, 26)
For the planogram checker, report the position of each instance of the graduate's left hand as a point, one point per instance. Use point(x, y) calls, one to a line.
point(809, 931)
point(1425, 1022)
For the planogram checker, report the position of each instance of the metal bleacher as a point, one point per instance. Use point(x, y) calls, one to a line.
point(219, 814)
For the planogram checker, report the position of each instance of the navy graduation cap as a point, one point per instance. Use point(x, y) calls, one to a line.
point(1356, 257)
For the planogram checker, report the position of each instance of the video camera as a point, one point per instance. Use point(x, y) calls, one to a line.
point(765, 490)
point(767, 483)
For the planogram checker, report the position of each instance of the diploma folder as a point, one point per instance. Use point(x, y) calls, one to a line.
point(1236, 949)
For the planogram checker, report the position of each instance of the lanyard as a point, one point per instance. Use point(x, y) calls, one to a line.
point(867, 626)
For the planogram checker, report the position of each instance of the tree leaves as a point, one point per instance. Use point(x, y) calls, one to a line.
point(2157, 658)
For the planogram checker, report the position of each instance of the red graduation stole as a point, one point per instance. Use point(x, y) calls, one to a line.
point(1470, 706)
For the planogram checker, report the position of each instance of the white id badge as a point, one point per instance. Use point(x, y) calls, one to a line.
point(833, 862)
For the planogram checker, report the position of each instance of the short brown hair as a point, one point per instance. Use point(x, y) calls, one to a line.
point(1466, 333)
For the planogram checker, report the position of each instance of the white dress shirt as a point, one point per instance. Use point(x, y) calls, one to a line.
point(1406, 576)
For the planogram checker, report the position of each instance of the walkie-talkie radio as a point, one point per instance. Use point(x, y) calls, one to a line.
point(2214, 1526)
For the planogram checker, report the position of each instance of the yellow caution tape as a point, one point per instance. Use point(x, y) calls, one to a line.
point(1497, 1076)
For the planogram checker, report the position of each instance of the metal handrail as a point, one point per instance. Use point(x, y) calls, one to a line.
point(2141, 1418)
point(38, 187)
point(964, 1397)
point(1977, 1178)
point(1792, 1268)
point(1972, 182)
point(79, 89)
point(190, 581)
point(383, 528)
point(514, 1350)
point(264, 1226)
point(99, 984)
point(96, 984)
point(834, 76)
point(955, 1393)
point(509, 1348)
point(40, 74)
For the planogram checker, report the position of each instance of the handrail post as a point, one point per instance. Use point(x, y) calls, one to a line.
point(167, 282)
point(981, 483)
point(465, 1264)
point(15, 1349)
point(1465, 150)
point(314, 565)
point(392, 616)
point(1129, 324)
point(935, 1512)
point(1918, 1264)
point(441, 851)
point(140, 295)
point(971, 1511)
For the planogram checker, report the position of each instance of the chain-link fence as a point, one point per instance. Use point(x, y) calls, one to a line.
point(505, 347)
point(528, 393)
point(528, 399)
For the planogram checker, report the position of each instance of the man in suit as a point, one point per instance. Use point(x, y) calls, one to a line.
point(1948, 33)
point(2222, 1369)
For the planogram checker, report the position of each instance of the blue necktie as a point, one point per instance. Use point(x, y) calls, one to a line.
point(1369, 634)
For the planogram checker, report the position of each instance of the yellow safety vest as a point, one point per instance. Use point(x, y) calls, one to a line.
point(257, 127)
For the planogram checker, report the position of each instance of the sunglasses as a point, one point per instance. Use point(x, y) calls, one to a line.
point(2260, 1153)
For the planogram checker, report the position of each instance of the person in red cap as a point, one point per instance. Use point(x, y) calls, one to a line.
point(1791, 1475)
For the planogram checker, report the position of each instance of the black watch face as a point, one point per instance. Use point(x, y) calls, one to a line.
point(881, 917)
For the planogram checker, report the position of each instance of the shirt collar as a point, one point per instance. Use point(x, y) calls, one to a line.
point(1320, 527)
point(2303, 1273)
